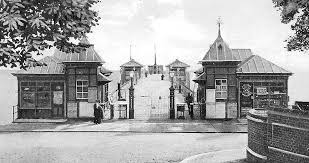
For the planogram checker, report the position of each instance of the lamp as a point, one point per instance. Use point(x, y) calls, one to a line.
point(131, 74)
point(172, 74)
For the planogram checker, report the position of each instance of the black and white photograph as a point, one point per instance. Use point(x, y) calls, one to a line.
point(154, 81)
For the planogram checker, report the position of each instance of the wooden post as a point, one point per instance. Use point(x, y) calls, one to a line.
point(172, 102)
point(131, 101)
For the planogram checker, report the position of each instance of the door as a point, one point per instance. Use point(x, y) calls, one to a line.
point(246, 102)
point(57, 99)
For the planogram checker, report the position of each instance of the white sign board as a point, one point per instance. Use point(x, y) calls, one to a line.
point(261, 91)
point(210, 95)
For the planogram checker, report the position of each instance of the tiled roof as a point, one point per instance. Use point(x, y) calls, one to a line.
point(89, 55)
point(53, 66)
point(177, 63)
point(256, 64)
point(132, 63)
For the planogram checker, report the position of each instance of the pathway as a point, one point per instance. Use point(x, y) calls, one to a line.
point(152, 98)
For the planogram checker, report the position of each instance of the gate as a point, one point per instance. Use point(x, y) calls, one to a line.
point(160, 108)
point(151, 108)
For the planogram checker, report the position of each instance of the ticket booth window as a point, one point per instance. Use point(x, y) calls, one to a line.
point(221, 88)
point(81, 89)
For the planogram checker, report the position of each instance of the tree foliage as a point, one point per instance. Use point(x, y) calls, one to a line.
point(27, 27)
point(295, 12)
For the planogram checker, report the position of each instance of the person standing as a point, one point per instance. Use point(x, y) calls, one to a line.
point(189, 100)
point(100, 113)
point(95, 112)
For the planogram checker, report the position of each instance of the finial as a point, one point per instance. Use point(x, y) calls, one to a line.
point(219, 22)
point(155, 53)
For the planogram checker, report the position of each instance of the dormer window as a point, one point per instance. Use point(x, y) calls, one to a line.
point(220, 49)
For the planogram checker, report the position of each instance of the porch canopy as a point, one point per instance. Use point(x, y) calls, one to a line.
point(102, 79)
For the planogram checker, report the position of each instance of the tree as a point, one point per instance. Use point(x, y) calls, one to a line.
point(28, 27)
point(295, 12)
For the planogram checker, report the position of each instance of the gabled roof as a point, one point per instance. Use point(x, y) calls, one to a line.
point(219, 51)
point(132, 63)
point(177, 63)
point(53, 66)
point(256, 64)
point(88, 55)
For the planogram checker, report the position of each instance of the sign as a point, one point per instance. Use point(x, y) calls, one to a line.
point(261, 91)
point(246, 90)
point(58, 97)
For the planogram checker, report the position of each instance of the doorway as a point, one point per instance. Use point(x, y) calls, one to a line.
point(57, 99)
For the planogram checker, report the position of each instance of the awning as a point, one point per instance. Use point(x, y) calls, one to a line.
point(102, 79)
point(200, 78)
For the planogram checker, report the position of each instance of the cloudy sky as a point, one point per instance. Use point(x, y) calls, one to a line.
point(185, 29)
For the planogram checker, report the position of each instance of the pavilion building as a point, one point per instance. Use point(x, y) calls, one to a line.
point(180, 72)
point(127, 67)
point(67, 87)
point(232, 81)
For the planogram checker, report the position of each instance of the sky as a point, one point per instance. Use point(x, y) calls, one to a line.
point(184, 30)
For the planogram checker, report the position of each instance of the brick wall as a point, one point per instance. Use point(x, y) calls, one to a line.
point(257, 136)
point(280, 136)
point(288, 135)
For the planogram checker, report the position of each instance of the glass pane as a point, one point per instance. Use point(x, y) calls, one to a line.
point(85, 82)
point(223, 82)
point(218, 94)
point(43, 99)
point(46, 84)
point(27, 99)
point(79, 95)
point(24, 83)
point(25, 88)
point(85, 95)
point(224, 95)
point(79, 89)
point(223, 88)
point(218, 87)
point(78, 82)
point(85, 89)
point(32, 83)
point(218, 82)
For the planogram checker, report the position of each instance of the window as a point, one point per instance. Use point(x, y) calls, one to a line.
point(221, 88)
point(81, 89)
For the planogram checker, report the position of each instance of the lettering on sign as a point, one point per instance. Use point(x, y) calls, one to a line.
point(261, 91)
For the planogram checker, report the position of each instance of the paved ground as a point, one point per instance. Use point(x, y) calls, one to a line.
point(112, 147)
point(168, 126)
point(152, 98)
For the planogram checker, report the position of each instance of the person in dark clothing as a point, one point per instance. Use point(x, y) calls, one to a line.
point(100, 114)
point(189, 100)
point(95, 113)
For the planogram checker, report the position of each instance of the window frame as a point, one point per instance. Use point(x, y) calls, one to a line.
point(82, 90)
point(221, 90)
